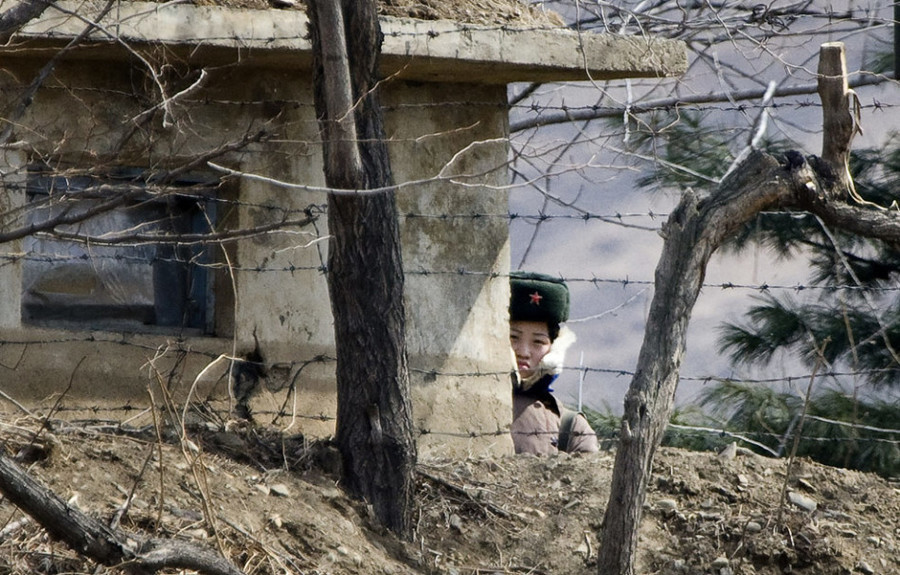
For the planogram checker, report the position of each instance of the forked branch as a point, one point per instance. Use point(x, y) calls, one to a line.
point(695, 229)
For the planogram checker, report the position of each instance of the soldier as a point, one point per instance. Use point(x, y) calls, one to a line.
point(541, 424)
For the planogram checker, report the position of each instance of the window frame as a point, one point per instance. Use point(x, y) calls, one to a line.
point(182, 277)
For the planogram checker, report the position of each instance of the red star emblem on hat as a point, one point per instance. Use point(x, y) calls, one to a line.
point(536, 298)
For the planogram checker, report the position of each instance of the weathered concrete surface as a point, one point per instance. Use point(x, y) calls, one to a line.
point(273, 290)
point(448, 141)
point(11, 275)
point(440, 51)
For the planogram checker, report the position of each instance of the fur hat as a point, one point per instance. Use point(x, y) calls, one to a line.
point(538, 297)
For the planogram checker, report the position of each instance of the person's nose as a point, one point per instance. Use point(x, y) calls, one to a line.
point(521, 350)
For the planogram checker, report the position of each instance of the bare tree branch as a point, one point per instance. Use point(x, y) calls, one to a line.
point(19, 15)
point(184, 239)
point(693, 232)
point(581, 114)
point(68, 217)
point(46, 70)
point(115, 196)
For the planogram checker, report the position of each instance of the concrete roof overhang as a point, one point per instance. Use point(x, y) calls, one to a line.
point(419, 50)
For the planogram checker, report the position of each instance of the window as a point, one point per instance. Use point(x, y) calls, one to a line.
point(70, 281)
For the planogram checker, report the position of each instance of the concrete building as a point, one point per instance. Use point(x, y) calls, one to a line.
point(118, 327)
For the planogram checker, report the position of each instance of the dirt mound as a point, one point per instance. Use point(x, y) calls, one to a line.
point(273, 504)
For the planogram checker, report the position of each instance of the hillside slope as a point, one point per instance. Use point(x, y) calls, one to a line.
point(274, 505)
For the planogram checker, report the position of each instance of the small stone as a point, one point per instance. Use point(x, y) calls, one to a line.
point(331, 493)
point(730, 451)
point(753, 527)
point(354, 557)
point(667, 505)
point(536, 512)
point(802, 501)
point(720, 562)
point(865, 568)
point(230, 441)
point(280, 489)
point(874, 541)
point(456, 522)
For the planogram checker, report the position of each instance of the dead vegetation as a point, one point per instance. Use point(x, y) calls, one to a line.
point(272, 504)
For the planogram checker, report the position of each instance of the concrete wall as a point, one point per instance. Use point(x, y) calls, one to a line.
point(275, 292)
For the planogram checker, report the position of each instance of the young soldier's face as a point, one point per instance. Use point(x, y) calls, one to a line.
point(530, 341)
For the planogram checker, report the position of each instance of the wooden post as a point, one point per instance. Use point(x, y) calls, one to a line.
point(840, 121)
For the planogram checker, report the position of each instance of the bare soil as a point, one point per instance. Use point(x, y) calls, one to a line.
point(273, 504)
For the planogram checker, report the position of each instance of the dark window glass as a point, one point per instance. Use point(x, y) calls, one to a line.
point(136, 284)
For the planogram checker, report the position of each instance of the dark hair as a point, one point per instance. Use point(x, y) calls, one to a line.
point(552, 330)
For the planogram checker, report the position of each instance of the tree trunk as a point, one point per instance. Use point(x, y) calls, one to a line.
point(695, 229)
point(693, 232)
point(365, 271)
point(12, 20)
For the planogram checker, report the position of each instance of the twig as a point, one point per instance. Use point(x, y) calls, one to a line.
point(26, 100)
point(820, 359)
point(479, 569)
point(123, 509)
point(459, 489)
point(95, 540)
point(159, 443)
point(167, 101)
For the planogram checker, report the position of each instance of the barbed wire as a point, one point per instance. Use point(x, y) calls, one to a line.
point(698, 103)
point(183, 346)
point(322, 269)
point(324, 417)
point(13, 257)
point(608, 439)
point(775, 436)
